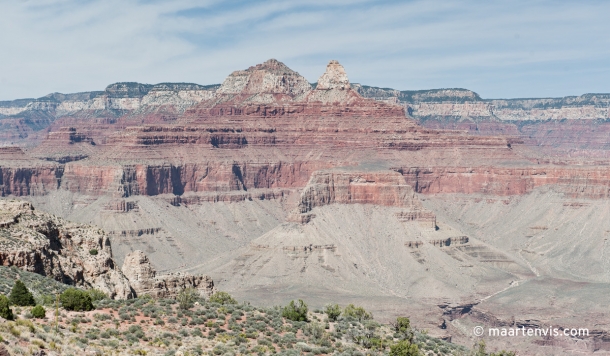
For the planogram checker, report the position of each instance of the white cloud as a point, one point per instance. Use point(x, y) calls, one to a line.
point(499, 49)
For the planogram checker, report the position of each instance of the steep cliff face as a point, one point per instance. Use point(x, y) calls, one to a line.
point(70, 253)
point(145, 281)
point(20, 175)
point(592, 183)
point(382, 188)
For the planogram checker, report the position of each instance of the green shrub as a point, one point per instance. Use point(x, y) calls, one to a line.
point(186, 298)
point(76, 299)
point(333, 311)
point(295, 311)
point(352, 311)
point(96, 295)
point(402, 327)
point(38, 312)
point(93, 252)
point(222, 298)
point(404, 348)
point(5, 309)
point(21, 296)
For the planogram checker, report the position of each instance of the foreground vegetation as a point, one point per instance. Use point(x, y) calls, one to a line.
point(190, 325)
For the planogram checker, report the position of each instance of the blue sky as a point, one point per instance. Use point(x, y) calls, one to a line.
point(500, 49)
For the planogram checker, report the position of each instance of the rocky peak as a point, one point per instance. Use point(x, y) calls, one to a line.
point(270, 77)
point(271, 65)
point(334, 77)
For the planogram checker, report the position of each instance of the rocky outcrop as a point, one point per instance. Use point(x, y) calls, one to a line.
point(74, 254)
point(384, 188)
point(145, 281)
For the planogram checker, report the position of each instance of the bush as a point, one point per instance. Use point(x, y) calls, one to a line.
point(38, 312)
point(333, 311)
point(222, 298)
point(186, 298)
point(75, 299)
point(352, 311)
point(5, 310)
point(402, 327)
point(21, 296)
point(96, 295)
point(93, 252)
point(404, 348)
point(295, 311)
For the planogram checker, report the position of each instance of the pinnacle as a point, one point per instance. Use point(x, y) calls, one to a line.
point(334, 77)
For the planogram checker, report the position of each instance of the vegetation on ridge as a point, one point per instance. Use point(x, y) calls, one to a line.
point(191, 325)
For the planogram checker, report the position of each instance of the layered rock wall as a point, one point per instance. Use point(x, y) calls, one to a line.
point(383, 188)
point(573, 182)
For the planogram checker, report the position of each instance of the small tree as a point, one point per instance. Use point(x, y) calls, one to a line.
point(295, 311)
point(222, 298)
point(38, 312)
point(352, 311)
point(333, 311)
point(21, 296)
point(187, 297)
point(404, 348)
point(5, 309)
point(76, 299)
point(402, 326)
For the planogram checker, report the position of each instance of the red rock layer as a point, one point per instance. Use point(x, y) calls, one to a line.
point(589, 182)
point(266, 128)
point(384, 188)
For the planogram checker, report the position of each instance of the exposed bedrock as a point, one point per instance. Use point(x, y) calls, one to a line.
point(71, 253)
point(266, 127)
point(589, 182)
point(39, 178)
point(144, 279)
point(384, 188)
point(140, 179)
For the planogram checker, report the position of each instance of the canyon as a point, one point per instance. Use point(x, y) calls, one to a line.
point(437, 204)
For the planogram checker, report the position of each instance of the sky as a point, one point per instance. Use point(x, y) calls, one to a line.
point(499, 49)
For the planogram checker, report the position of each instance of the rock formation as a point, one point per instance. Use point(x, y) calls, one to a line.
point(71, 253)
point(382, 188)
point(551, 125)
point(145, 281)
